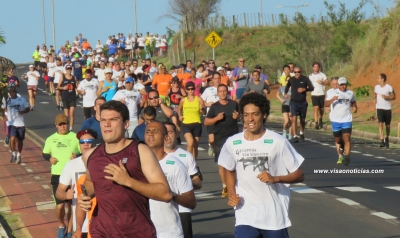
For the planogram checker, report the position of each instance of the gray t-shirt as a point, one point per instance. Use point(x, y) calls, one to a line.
point(244, 80)
point(258, 88)
point(282, 92)
point(160, 116)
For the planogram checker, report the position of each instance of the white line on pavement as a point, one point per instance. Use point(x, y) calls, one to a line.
point(29, 170)
point(305, 190)
point(369, 155)
point(45, 205)
point(46, 186)
point(392, 160)
point(37, 177)
point(394, 187)
point(324, 144)
point(201, 148)
point(355, 189)
point(206, 194)
point(383, 215)
point(347, 201)
point(379, 157)
point(356, 152)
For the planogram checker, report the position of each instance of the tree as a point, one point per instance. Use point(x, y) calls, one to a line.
point(2, 38)
point(191, 14)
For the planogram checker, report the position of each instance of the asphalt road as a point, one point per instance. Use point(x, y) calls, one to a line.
point(325, 205)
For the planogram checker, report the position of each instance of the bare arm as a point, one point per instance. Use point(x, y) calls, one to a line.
point(63, 194)
point(295, 177)
point(278, 95)
point(196, 182)
point(100, 89)
point(167, 110)
point(179, 111)
point(185, 199)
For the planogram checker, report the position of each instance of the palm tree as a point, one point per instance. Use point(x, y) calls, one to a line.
point(2, 38)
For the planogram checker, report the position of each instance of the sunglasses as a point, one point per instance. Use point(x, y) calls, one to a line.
point(154, 98)
point(190, 89)
point(211, 63)
point(242, 61)
point(84, 141)
point(297, 72)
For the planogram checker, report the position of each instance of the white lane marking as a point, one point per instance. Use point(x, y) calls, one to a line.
point(44, 102)
point(23, 164)
point(355, 189)
point(347, 201)
point(383, 215)
point(201, 148)
point(45, 205)
point(324, 144)
point(206, 194)
point(29, 170)
point(392, 160)
point(380, 157)
point(356, 152)
point(37, 177)
point(394, 187)
point(333, 146)
point(46, 186)
point(183, 143)
point(369, 155)
point(299, 184)
point(306, 190)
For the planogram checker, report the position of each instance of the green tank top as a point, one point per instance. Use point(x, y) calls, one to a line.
point(191, 111)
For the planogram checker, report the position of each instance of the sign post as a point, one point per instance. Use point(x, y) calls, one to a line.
point(213, 40)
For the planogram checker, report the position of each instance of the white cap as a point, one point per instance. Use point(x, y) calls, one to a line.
point(90, 53)
point(220, 68)
point(342, 80)
point(31, 66)
point(110, 59)
point(108, 70)
point(151, 34)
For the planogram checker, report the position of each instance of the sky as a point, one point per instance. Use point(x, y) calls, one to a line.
point(22, 20)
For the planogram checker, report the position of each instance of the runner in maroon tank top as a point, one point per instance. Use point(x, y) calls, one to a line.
point(123, 174)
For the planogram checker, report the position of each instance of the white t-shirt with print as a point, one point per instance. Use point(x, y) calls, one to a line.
point(380, 102)
point(101, 76)
point(72, 171)
point(187, 159)
point(163, 42)
point(210, 94)
point(141, 41)
point(340, 108)
point(58, 71)
point(116, 76)
point(43, 54)
point(319, 89)
point(128, 43)
point(165, 216)
point(132, 99)
point(99, 47)
point(13, 106)
point(90, 88)
point(263, 205)
point(51, 67)
point(31, 78)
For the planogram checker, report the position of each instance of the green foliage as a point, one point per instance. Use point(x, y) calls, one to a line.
point(170, 33)
point(2, 38)
point(363, 91)
point(343, 15)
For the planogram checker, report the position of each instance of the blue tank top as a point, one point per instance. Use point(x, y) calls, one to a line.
point(111, 91)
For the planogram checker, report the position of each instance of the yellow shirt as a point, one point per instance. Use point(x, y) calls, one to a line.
point(36, 56)
point(148, 39)
point(191, 111)
point(283, 80)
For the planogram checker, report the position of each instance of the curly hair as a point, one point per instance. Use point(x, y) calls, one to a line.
point(257, 100)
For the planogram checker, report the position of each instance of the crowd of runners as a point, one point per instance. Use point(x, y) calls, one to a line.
point(125, 158)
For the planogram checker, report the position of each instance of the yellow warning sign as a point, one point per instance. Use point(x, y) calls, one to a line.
point(213, 39)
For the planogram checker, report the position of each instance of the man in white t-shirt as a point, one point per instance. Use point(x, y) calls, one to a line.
point(343, 104)
point(59, 71)
point(319, 80)
point(165, 216)
point(186, 158)
point(131, 98)
point(15, 107)
point(259, 166)
point(100, 72)
point(67, 188)
point(88, 88)
point(384, 93)
point(210, 96)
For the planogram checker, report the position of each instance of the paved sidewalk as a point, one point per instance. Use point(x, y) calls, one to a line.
point(27, 191)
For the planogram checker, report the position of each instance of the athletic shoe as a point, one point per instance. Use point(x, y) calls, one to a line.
point(340, 160)
point(290, 136)
point(61, 106)
point(58, 108)
point(284, 134)
point(13, 158)
point(224, 192)
point(302, 138)
point(18, 161)
point(346, 160)
point(7, 140)
point(383, 144)
point(210, 151)
point(295, 139)
point(61, 232)
point(178, 141)
point(320, 123)
point(387, 142)
point(316, 126)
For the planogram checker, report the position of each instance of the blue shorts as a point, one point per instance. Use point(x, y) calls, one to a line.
point(51, 79)
point(239, 93)
point(244, 231)
point(18, 132)
point(339, 126)
point(298, 109)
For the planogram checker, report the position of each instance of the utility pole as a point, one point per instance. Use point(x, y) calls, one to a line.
point(54, 28)
point(44, 23)
point(261, 6)
point(134, 6)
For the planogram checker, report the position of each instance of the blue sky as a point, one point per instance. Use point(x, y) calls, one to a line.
point(22, 21)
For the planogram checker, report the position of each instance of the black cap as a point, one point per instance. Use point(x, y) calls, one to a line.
point(258, 67)
point(190, 84)
point(175, 79)
point(87, 131)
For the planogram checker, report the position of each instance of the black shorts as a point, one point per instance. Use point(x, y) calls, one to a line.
point(298, 109)
point(285, 109)
point(318, 101)
point(186, 221)
point(217, 150)
point(141, 47)
point(69, 103)
point(210, 129)
point(37, 63)
point(192, 128)
point(18, 132)
point(88, 112)
point(43, 65)
point(55, 180)
point(384, 116)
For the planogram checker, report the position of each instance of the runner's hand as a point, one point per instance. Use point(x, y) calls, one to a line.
point(354, 109)
point(70, 192)
point(53, 160)
point(300, 90)
point(220, 116)
point(180, 118)
point(265, 177)
point(73, 156)
point(319, 81)
point(234, 200)
point(77, 234)
point(160, 100)
point(287, 96)
point(235, 115)
point(118, 173)
point(105, 89)
point(84, 203)
point(123, 101)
